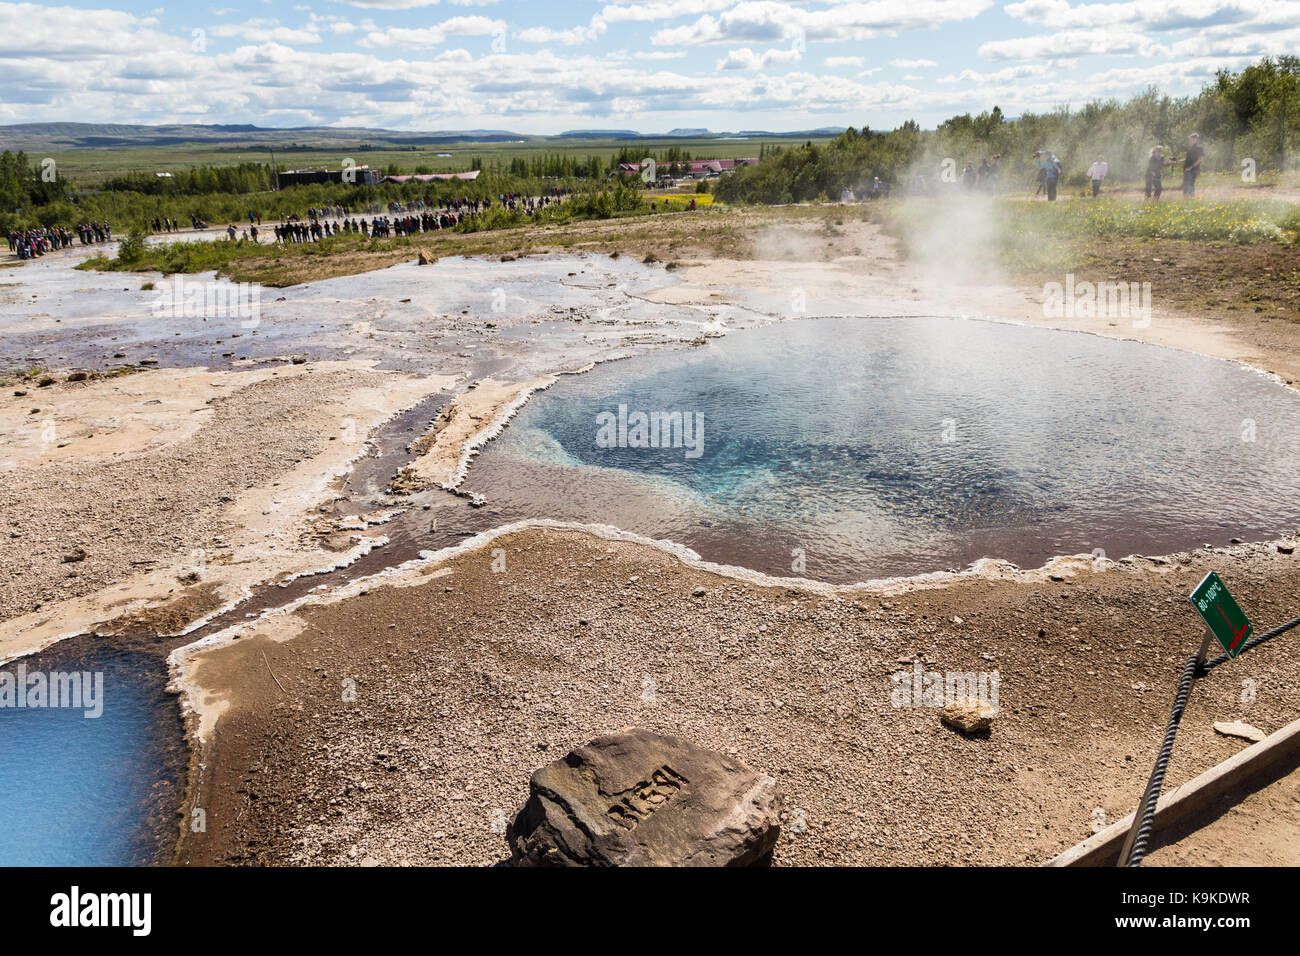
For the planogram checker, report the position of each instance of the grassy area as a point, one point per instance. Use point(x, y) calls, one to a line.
point(1035, 236)
point(1233, 220)
point(660, 235)
point(91, 166)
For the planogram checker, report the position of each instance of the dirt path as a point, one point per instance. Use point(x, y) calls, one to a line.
point(1257, 828)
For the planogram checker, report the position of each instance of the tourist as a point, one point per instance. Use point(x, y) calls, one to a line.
point(1156, 164)
point(1192, 164)
point(990, 181)
point(1097, 172)
point(1049, 173)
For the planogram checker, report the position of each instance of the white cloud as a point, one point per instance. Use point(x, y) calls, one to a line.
point(259, 31)
point(432, 35)
point(746, 59)
point(391, 4)
point(1022, 72)
point(569, 37)
point(912, 64)
point(116, 65)
point(770, 21)
point(655, 11)
point(1073, 43)
point(34, 30)
point(1167, 15)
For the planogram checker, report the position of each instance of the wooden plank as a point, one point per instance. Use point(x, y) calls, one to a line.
point(1102, 849)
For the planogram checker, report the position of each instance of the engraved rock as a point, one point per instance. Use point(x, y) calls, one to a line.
point(636, 798)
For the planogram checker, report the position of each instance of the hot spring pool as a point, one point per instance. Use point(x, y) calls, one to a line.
point(96, 784)
point(850, 449)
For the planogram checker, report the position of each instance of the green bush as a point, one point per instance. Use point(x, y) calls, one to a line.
point(132, 249)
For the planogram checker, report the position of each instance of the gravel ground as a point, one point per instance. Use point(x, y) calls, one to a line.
point(468, 682)
point(132, 512)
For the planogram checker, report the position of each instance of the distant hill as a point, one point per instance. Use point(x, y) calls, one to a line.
point(596, 134)
point(31, 136)
point(68, 136)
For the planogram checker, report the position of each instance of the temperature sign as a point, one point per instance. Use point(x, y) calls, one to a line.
point(1225, 619)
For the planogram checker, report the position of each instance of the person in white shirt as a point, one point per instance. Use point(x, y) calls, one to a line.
point(1097, 172)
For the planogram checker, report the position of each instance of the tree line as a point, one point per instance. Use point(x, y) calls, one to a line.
point(1252, 116)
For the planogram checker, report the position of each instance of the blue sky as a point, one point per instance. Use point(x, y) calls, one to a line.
point(650, 65)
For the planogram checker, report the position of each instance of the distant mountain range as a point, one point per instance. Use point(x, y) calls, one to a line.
point(65, 136)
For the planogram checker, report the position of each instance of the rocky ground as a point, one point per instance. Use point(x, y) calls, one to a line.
point(469, 679)
point(153, 499)
point(472, 679)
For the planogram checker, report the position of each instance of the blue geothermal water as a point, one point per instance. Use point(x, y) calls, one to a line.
point(78, 790)
point(860, 448)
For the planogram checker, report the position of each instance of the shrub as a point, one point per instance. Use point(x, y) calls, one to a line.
point(131, 249)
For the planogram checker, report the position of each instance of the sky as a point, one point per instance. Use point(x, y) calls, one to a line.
point(646, 65)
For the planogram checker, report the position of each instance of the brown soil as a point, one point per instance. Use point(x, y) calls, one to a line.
point(468, 682)
point(1252, 289)
point(1257, 827)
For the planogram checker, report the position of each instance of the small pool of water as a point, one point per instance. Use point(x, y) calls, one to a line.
point(79, 790)
point(848, 449)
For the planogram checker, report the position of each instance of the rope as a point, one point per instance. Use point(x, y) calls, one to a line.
point(1193, 669)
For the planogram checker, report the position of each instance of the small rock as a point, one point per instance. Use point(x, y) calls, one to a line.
point(76, 554)
point(1236, 728)
point(968, 715)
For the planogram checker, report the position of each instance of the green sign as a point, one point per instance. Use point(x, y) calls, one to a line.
point(1225, 619)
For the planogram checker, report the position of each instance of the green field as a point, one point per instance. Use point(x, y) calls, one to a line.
point(90, 166)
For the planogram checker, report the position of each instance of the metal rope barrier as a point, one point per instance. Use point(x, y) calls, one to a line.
point(1196, 666)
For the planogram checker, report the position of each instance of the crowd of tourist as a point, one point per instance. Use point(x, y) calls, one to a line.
point(402, 219)
point(30, 243)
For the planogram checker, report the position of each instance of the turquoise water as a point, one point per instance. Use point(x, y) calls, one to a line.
point(91, 791)
point(897, 446)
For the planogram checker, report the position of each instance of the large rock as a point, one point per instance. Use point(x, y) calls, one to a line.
point(635, 798)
